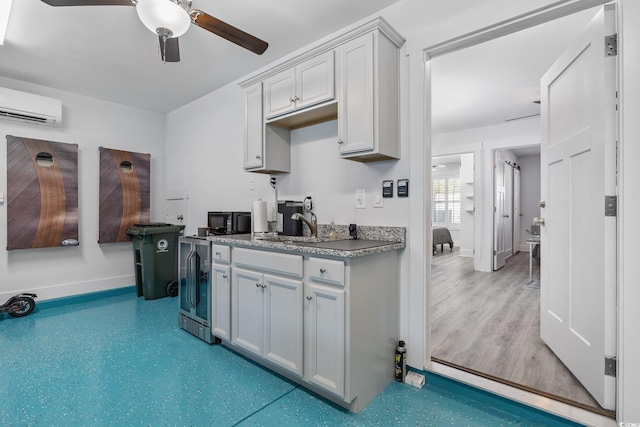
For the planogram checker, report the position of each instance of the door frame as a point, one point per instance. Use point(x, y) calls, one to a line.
point(420, 50)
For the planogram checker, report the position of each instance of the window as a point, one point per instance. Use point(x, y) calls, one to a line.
point(446, 201)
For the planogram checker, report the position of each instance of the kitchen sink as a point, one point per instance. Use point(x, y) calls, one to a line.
point(289, 239)
point(345, 245)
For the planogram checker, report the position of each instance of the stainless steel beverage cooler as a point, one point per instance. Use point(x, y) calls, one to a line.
point(194, 291)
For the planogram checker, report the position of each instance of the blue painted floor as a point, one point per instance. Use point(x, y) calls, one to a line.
point(119, 360)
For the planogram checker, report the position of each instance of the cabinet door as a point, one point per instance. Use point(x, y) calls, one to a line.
point(279, 92)
point(324, 338)
point(315, 80)
point(355, 96)
point(221, 301)
point(254, 124)
point(247, 310)
point(283, 322)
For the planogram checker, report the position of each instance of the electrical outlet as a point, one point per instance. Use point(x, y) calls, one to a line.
point(377, 200)
point(361, 199)
point(252, 183)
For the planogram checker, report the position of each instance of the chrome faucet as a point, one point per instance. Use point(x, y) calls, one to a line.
point(313, 224)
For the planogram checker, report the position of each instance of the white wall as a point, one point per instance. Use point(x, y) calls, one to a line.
point(530, 195)
point(204, 149)
point(483, 142)
point(90, 123)
point(628, 225)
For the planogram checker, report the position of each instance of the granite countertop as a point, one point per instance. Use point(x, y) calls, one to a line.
point(373, 240)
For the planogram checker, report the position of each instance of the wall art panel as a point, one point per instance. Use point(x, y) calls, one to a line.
point(42, 193)
point(124, 193)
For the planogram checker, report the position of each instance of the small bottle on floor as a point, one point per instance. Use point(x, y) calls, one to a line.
point(401, 362)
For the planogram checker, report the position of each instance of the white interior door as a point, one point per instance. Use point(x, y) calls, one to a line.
point(578, 260)
point(500, 213)
point(516, 210)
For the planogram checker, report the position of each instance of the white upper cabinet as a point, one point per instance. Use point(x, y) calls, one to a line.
point(253, 129)
point(353, 77)
point(368, 98)
point(266, 148)
point(308, 83)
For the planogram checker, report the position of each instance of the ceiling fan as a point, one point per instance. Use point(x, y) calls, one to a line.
point(170, 19)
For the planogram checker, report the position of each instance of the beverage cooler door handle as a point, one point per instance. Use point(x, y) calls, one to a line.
point(191, 276)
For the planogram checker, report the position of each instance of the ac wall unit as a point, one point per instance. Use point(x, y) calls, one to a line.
point(27, 107)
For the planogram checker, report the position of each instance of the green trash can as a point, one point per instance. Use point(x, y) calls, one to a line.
point(155, 257)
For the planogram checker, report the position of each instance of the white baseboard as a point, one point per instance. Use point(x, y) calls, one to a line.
point(71, 289)
point(466, 252)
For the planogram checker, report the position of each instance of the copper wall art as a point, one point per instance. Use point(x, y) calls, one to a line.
point(42, 193)
point(124, 193)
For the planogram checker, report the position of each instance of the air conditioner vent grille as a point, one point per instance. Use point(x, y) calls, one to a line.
point(11, 115)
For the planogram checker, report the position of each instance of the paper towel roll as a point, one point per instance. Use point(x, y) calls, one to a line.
point(259, 217)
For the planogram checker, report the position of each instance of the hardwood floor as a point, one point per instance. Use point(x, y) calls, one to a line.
point(490, 323)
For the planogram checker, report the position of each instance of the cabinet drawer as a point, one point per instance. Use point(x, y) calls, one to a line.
point(273, 262)
point(326, 270)
point(221, 253)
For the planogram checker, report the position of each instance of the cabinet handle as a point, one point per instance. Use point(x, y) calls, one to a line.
point(217, 253)
point(323, 270)
point(290, 99)
point(340, 141)
point(309, 297)
point(264, 286)
point(258, 156)
point(224, 276)
point(258, 285)
point(295, 98)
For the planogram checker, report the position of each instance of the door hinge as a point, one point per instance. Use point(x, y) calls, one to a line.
point(610, 366)
point(611, 45)
point(495, 209)
point(610, 205)
point(495, 253)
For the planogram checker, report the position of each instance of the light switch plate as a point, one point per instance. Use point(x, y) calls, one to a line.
point(252, 183)
point(378, 201)
point(361, 199)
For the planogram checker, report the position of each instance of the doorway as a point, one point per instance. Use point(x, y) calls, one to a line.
point(463, 127)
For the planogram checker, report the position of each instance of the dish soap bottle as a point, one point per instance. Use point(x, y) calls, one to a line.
point(333, 235)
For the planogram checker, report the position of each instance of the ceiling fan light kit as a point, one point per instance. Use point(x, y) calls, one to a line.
point(164, 16)
point(170, 19)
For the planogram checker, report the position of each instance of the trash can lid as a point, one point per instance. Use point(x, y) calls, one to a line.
point(153, 228)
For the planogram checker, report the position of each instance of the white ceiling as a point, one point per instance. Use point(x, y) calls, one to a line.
point(107, 53)
point(498, 80)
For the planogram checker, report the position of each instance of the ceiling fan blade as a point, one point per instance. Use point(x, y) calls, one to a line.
point(228, 32)
point(88, 2)
point(169, 50)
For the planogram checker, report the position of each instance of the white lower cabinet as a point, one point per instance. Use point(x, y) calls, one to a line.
point(221, 307)
point(337, 315)
point(324, 338)
point(267, 317)
point(221, 291)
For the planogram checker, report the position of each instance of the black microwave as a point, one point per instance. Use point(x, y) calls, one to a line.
point(229, 222)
